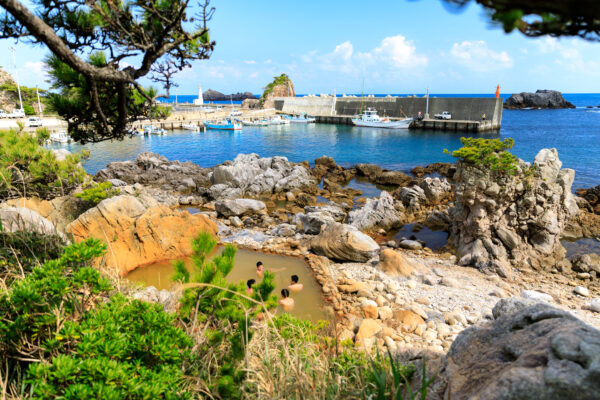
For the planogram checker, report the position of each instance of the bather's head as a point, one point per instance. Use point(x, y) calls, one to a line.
point(250, 282)
point(294, 279)
point(285, 293)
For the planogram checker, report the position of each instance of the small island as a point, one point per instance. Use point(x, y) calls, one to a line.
point(541, 99)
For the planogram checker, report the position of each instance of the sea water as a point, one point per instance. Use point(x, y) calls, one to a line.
point(575, 133)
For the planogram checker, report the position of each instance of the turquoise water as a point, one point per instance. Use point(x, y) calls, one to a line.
point(575, 133)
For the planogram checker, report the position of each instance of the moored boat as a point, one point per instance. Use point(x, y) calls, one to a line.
point(153, 130)
point(225, 125)
point(60, 137)
point(256, 122)
point(191, 127)
point(370, 119)
point(277, 120)
point(300, 119)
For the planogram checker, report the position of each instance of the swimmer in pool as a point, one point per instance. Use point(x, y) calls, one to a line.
point(286, 302)
point(249, 284)
point(295, 286)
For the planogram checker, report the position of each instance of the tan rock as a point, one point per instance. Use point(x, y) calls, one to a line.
point(393, 263)
point(60, 211)
point(136, 235)
point(368, 329)
point(351, 286)
point(409, 319)
point(369, 309)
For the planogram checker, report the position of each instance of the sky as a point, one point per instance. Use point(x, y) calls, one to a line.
point(395, 46)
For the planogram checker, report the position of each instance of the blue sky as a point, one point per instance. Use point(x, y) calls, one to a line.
point(395, 46)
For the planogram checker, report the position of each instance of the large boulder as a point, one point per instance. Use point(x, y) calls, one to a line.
point(539, 99)
point(60, 210)
point(592, 197)
point(393, 263)
point(500, 219)
point(255, 176)
point(378, 212)
point(395, 178)
point(19, 219)
point(344, 243)
point(537, 352)
point(239, 207)
point(312, 222)
point(154, 170)
point(139, 233)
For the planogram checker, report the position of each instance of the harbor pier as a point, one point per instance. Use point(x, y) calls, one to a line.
point(469, 114)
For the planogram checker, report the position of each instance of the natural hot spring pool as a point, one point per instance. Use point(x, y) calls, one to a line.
point(309, 301)
point(581, 246)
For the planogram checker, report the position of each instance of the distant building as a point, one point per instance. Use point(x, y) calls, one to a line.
point(200, 100)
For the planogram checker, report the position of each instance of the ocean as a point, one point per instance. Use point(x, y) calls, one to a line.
point(575, 133)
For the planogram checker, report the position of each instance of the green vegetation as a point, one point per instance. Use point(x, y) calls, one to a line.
point(27, 169)
point(96, 192)
point(488, 153)
point(282, 79)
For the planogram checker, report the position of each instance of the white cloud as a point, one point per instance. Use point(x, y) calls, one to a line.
point(343, 51)
point(249, 62)
point(568, 53)
point(399, 51)
point(476, 56)
point(33, 73)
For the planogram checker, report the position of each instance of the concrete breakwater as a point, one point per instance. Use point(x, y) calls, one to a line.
point(467, 112)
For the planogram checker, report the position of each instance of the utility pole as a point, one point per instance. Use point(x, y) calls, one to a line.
point(17, 77)
point(37, 91)
point(427, 105)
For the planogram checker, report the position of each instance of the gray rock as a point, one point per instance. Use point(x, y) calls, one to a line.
point(437, 220)
point(582, 291)
point(239, 207)
point(410, 245)
point(312, 222)
point(511, 305)
point(450, 282)
point(537, 296)
point(284, 230)
point(436, 189)
point(412, 197)
point(539, 352)
point(378, 212)
point(336, 212)
point(595, 305)
point(236, 221)
point(586, 263)
point(19, 219)
point(369, 170)
point(539, 99)
point(345, 243)
point(117, 182)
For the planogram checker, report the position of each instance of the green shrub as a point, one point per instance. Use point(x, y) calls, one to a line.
point(28, 109)
point(27, 169)
point(488, 153)
point(97, 192)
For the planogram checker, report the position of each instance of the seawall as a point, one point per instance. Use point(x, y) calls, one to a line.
point(467, 112)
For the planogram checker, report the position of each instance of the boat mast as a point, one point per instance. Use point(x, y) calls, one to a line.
point(361, 96)
point(427, 105)
point(17, 76)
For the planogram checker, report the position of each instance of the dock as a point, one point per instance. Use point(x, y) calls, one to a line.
point(469, 114)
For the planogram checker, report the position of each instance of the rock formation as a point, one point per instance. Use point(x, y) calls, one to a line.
point(7, 98)
point(529, 352)
point(60, 211)
point(239, 207)
point(19, 219)
point(281, 86)
point(539, 99)
point(378, 212)
point(138, 231)
point(500, 219)
point(251, 175)
point(213, 95)
point(592, 196)
point(344, 242)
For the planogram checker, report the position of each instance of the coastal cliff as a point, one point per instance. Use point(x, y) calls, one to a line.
point(540, 99)
point(281, 86)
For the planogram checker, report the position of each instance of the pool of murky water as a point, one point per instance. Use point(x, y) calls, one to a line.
point(433, 239)
point(309, 302)
point(581, 246)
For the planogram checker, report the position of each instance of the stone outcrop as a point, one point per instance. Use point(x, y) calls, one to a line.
point(539, 99)
point(138, 231)
point(8, 99)
point(344, 243)
point(213, 95)
point(248, 174)
point(592, 196)
point(500, 219)
point(393, 263)
point(250, 103)
point(282, 86)
point(378, 212)
point(430, 191)
point(157, 171)
point(239, 207)
point(19, 219)
point(444, 169)
point(535, 352)
point(60, 211)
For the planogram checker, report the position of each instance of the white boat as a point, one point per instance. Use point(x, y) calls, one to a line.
point(301, 119)
point(277, 120)
point(225, 125)
point(256, 122)
point(60, 137)
point(370, 119)
point(191, 127)
point(235, 113)
point(152, 130)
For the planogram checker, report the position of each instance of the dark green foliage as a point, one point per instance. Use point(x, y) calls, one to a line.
point(124, 349)
point(27, 169)
point(488, 153)
point(544, 17)
point(74, 101)
point(223, 308)
point(97, 192)
point(282, 79)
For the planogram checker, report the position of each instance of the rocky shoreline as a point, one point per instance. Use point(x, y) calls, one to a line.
point(504, 251)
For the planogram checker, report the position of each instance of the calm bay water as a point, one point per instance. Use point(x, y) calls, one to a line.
point(574, 133)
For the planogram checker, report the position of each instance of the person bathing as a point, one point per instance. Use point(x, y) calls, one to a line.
point(286, 302)
point(294, 285)
point(260, 269)
point(249, 284)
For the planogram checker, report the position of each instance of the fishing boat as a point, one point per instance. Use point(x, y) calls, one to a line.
point(225, 125)
point(256, 122)
point(60, 137)
point(191, 127)
point(370, 119)
point(277, 120)
point(235, 113)
point(153, 130)
point(300, 119)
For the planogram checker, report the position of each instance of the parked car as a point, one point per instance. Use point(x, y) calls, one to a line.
point(444, 115)
point(3, 114)
point(34, 122)
point(17, 114)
